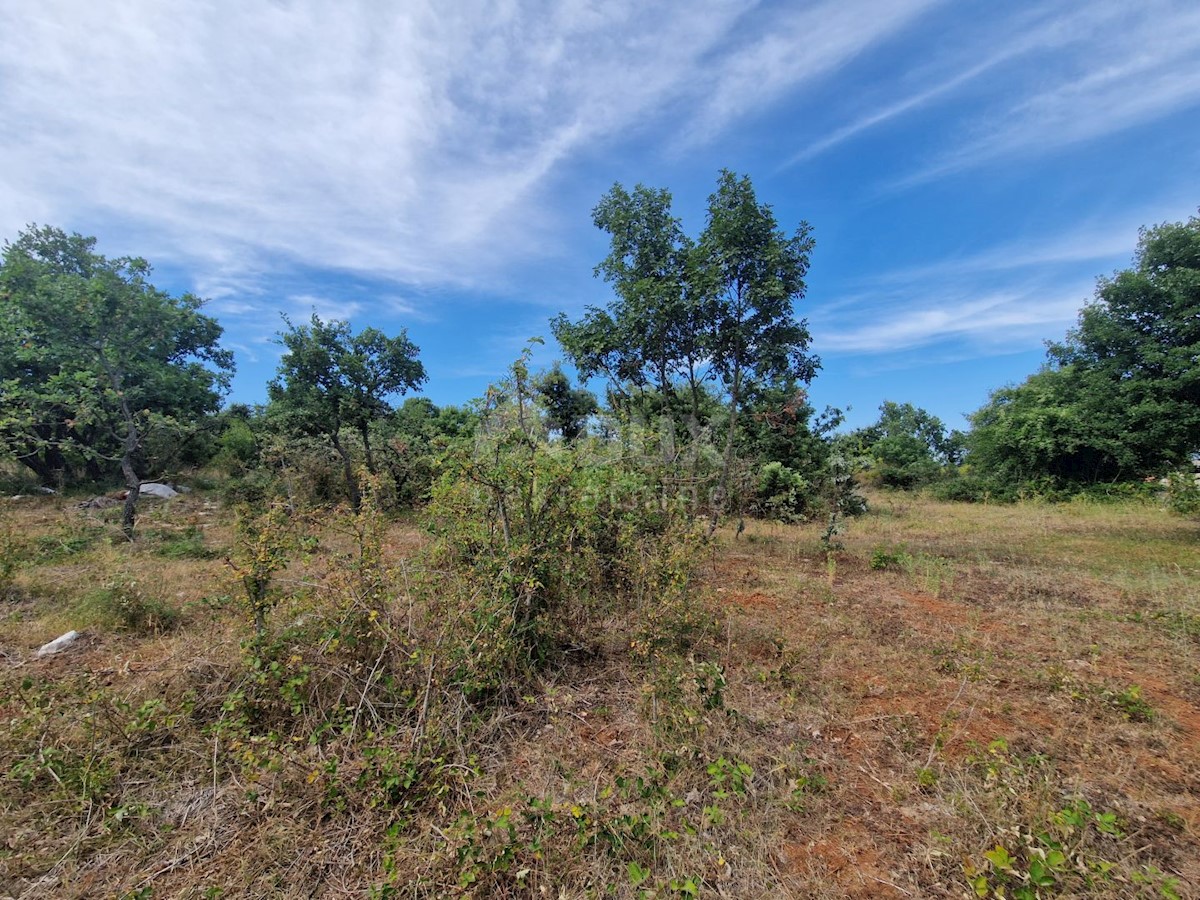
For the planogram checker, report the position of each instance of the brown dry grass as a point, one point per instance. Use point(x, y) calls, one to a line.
point(867, 703)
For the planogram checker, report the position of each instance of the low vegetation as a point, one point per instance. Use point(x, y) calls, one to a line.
point(992, 701)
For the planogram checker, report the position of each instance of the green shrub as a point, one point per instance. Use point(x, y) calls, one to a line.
point(782, 493)
point(538, 543)
point(126, 605)
point(1183, 494)
point(186, 544)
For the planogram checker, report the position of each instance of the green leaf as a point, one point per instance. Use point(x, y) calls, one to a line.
point(637, 874)
point(999, 858)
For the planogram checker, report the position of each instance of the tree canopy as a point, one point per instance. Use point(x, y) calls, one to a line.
point(92, 355)
point(331, 378)
point(687, 312)
point(1119, 398)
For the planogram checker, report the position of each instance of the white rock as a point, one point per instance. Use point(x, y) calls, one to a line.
point(154, 489)
point(58, 644)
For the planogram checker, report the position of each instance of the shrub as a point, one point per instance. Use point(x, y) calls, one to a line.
point(782, 493)
point(1183, 494)
point(539, 542)
point(125, 604)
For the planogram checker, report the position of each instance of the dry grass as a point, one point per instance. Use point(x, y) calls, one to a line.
point(839, 730)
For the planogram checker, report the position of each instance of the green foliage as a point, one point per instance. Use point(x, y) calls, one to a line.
point(412, 441)
point(1183, 494)
point(330, 379)
point(94, 359)
point(265, 541)
point(719, 309)
point(909, 446)
point(1130, 703)
point(237, 447)
point(125, 604)
point(1120, 398)
point(882, 558)
point(539, 541)
point(185, 544)
point(567, 408)
point(840, 493)
point(782, 493)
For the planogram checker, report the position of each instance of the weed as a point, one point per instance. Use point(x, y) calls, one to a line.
point(264, 544)
point(65, 542)
point(124, 603)
point(1130, 703)
point(882, 558)
point(185, 544)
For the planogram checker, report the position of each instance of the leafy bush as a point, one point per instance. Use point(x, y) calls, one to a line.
point(237, 448)
point(782, 493)
point(539, 542)
point(1183, 494)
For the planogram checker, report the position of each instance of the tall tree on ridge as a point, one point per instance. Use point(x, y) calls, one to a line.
point(755, 274)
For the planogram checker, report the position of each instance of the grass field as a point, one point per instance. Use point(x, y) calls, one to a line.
point(963, 701)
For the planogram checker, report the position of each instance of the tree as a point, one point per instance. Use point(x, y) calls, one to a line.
point(1139, 343)
point(754, 273)
point(652, 334)
point(567, 408)
point(908, 444)
point(1119, 398)
point(687, 313)
point(92, 355)
point(330, 379)
point(1042, 433)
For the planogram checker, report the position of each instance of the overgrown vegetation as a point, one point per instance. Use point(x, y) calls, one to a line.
point(508, 649)
point(600, 700)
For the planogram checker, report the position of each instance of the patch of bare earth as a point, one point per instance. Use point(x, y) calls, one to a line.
point(908, 674)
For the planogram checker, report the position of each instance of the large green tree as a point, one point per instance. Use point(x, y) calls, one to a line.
point(754, 272)
point(720, 309)
point(92, 355)
point(331, 379)
point(567, 408)
point(1120, 396)
point(908, 445)
point(650, 338)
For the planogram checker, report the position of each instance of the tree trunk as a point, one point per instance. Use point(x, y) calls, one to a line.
point(364, 433)
point(348, 471)
point(132, 482)
point(134, 485)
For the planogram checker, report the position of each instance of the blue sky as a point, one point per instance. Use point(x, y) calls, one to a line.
point(968, 167)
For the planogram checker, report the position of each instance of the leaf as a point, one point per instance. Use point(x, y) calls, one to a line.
point(1039, 874)
point(637, 874)
point(999, 858)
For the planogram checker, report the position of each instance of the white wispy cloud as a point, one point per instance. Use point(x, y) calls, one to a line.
point(1058, 73)
point(992, 323)
point(302, 307)
point(793, 46)
point(1127, 64)
point(414, 141)
point(1012, 295)
point(942, 78)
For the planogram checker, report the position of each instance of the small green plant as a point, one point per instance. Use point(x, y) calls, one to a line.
point(264, 544)
point(67, 541)
point(125, 604)
point(1130, 703)
point(728, 777)
point(1067, 849)
point(186, 544)
point(1183, 494)
point(882, 558)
